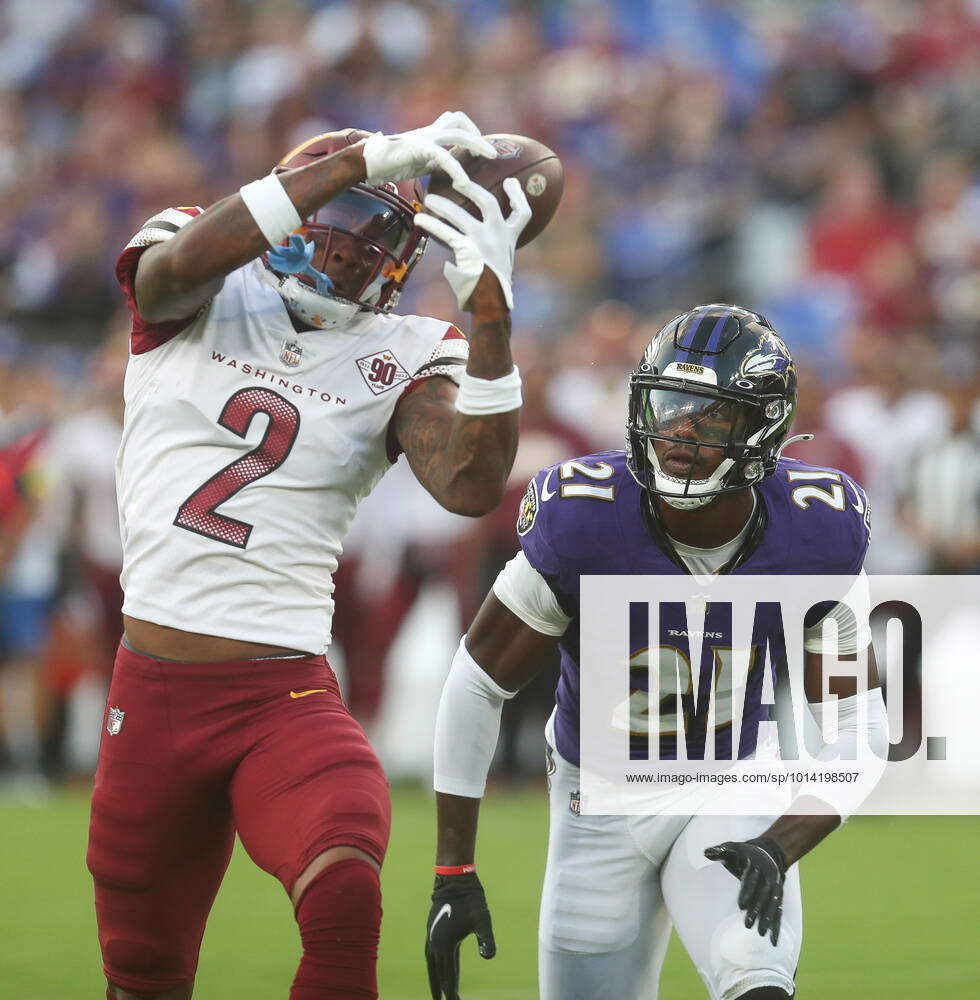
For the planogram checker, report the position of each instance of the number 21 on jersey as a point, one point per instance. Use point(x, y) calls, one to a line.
point(599, 472)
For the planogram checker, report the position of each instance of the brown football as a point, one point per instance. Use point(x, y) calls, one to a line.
point(537, 168)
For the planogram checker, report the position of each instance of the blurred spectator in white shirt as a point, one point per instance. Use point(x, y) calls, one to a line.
point(890, 418)
point(940, 505)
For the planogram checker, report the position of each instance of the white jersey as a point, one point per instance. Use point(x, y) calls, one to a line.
point(246, 449)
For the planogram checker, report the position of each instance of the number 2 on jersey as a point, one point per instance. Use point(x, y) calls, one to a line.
point(198, 512)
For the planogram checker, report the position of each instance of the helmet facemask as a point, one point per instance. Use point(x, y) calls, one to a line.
point(365, 245)
point(689, 442)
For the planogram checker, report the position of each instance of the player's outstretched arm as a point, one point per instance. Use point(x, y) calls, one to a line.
point(176, 277)
point(461, 443)
point(499, 654)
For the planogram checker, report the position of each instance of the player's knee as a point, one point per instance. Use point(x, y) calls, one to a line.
point(345, 894)
point(322, 861)
point(339, 917)
point(143, 964)
point(744, 964)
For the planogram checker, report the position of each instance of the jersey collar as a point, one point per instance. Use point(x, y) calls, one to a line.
point(753, 536)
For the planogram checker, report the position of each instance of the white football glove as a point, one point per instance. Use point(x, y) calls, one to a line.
point(478, 243)
point(412, 154)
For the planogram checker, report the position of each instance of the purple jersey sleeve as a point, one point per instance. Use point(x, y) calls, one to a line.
point(535, 526)
point(860, 523)
point(567, 523)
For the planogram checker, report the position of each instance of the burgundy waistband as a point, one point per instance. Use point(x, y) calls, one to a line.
point(239, 669)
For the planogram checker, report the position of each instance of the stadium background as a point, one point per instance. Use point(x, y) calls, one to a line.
point(815, 161)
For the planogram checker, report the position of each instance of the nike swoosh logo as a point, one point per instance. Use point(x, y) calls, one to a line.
point(446, 911)
point(858, 502)
point(547, 494)
point(303, 694)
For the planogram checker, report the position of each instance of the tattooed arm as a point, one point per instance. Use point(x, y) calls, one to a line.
point(462, 460)
point(176, 277)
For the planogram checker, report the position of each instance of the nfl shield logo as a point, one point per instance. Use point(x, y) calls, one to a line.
point(116, 716)
point(575, 803)
point(506, 149)
point(291, 353)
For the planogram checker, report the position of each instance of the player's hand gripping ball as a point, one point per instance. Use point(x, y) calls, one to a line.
point(536, 167)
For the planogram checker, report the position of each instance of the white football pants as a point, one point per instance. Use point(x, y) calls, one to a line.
point(615, 884)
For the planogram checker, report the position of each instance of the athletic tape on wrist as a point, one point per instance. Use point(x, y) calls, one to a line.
point(271, 208)
point(480, 396)
point(455, 869)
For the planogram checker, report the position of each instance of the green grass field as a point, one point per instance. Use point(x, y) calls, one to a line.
point(891, 909)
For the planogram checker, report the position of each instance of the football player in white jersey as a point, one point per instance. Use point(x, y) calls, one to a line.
point(700, 490)
point(269, 388)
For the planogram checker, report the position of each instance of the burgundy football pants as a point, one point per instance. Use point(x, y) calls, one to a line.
point(192, 752)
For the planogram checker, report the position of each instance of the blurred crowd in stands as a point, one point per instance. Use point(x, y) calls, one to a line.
point(816, 161)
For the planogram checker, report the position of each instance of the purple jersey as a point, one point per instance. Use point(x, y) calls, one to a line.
point(586, 517)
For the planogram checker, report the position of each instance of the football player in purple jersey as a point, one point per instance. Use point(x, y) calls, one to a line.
point(701, 489)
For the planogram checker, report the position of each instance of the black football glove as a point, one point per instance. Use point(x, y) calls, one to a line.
point(459, 908)
point(760, 865)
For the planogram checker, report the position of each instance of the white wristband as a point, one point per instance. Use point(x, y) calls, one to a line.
point(480, 396)
point(272, 209)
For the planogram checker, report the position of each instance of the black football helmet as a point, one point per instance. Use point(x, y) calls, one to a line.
point(710, 404)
